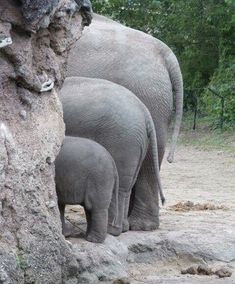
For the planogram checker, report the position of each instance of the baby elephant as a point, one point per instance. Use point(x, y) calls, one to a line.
point(86, 174)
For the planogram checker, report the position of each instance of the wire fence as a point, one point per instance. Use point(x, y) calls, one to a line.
point(192, 103)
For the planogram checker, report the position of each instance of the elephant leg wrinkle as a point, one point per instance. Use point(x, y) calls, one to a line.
point(143, 218)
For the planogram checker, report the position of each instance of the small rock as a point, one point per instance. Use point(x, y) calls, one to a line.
point(223, 272)
point(121, 281)
point(204, 269)
point(23, 114)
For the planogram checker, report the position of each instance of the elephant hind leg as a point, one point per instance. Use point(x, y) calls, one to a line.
point(68, 229)
point(114, 231)
point(141, 219)
point(140, 222)
point(127, 182)
point(144, 207)
point(125, 223)
point(97, 226)
point(88, 220)
point(61, 209)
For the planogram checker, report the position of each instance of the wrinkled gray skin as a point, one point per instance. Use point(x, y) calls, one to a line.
point(148, 68)
point(137, 61)
point(112, 116)
point(86, 174)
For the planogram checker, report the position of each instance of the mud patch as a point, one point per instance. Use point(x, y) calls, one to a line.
point(203, 269)
point(190, 206)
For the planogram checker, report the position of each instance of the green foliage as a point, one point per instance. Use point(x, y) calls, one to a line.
point(223, 82)
point(202, 35)
point(130, 12)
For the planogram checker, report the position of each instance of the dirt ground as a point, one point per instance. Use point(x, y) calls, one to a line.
point(201, 177)
point(207, 180)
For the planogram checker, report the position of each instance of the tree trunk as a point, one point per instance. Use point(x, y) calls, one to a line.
point(32, 248)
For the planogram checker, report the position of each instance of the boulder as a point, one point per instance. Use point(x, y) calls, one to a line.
point(33, 62)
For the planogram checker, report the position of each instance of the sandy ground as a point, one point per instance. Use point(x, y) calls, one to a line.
point(200, 177)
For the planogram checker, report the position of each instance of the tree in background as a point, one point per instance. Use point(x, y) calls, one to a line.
point(202, 35)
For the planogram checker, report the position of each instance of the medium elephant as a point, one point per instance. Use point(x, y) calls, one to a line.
point(115, 118)
point(86, 174)
point(137, 61)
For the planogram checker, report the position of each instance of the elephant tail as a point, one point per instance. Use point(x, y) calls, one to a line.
point(154, 155)
point(177, 85)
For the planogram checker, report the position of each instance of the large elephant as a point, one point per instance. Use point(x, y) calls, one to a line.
point(137, 61)
point(115, 118)
point(86, 174)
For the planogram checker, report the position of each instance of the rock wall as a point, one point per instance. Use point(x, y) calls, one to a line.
point(32, 248)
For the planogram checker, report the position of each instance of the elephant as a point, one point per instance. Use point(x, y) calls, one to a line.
point(141, 63)
point(86, 174)
point(115, 118)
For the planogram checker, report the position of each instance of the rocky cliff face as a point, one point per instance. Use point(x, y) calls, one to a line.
point(33, 56)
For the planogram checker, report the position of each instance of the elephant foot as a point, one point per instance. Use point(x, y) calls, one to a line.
point(95, 238)
point(70, 231)
point(138, 224)
point(114, 231)
point(125, 226)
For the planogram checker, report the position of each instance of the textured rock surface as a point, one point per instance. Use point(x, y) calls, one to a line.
point(185, 238)
point(154, 257)
point(101, 262)
point(33, 14)
point(32, 248)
